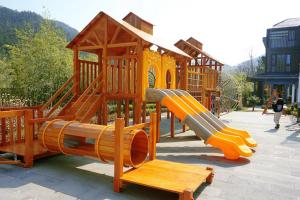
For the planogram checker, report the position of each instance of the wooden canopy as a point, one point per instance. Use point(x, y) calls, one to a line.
point(194, 51)
point(119, 35)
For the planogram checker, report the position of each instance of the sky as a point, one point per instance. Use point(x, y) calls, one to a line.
point(230, 30)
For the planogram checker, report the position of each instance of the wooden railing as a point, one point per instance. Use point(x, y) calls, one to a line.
point(122, 75)
point(88, 72)
point(61, 98)
point(16, 128)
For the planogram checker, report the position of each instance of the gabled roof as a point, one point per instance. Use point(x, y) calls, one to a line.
point(129, 28)
point(291, 22)
point(193, 50)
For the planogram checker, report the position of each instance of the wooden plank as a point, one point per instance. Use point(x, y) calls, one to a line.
point(20, 148)
point(11, 130)
point(3, 130)
point(169, 176)
point(11, 113)
point(118, 162)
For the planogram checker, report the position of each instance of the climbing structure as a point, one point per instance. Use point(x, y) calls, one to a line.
point(127, 60)
point(203, 74)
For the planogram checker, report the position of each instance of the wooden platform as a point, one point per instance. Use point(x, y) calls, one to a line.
point(20, 148)
point(169, 176)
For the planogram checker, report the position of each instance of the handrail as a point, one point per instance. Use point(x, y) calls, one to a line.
point(61, 100)
point(90, 96)
point(57, 93)
point(87, 90)
point(92, 107)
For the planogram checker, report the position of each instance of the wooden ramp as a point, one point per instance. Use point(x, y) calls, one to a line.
point(174, 177)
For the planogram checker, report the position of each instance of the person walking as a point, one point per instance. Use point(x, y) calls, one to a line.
point(277, 105)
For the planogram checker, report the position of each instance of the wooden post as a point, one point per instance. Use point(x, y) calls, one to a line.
point(144, 112)
point(126, 112)
point(158, 111)
point(172, 123)
point(185, 75)
point(28, 158)
point(3, 130)
point(152, 139)
point(118, 163)
point(104, 74)
point(138, 99)
point(119, 107)
point(186, 195)
point(76, 71)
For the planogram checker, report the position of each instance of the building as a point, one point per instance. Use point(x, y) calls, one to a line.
point(282, 60)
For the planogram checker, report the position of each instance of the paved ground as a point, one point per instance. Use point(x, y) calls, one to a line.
point(272, 173)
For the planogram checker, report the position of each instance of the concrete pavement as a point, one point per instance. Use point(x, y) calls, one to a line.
point(273, 172)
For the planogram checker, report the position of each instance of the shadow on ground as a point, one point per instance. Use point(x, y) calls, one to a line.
point(71, 179)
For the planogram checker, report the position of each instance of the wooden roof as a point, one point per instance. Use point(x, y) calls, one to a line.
point(92, 36)
point(194, 51)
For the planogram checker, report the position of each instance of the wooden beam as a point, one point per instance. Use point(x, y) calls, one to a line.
point(124, 44)
point(97, 38)
point(93, 47)
point(90, 47)
point(115, 35)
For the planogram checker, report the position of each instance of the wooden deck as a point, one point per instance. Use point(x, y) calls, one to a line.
point(20, 149)
point(169, 176)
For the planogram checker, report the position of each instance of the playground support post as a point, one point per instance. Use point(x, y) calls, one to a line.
point(298, 96)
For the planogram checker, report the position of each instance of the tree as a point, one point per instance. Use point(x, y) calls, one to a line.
point(39, 62)
point(2, 76)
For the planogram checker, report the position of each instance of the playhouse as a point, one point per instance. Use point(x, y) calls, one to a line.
point(131, 69)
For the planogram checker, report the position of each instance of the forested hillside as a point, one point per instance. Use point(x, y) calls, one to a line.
point(10, 20)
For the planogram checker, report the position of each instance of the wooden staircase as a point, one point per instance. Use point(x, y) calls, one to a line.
point(82, 108)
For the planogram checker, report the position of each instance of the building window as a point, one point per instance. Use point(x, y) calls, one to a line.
point(288, 63)
point(282, 39)
point(273, 63)
point(281, 62)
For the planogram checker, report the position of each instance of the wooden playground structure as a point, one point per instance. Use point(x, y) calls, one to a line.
point(125, 67)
